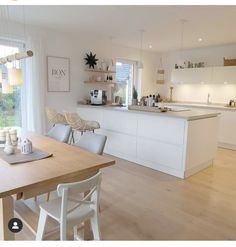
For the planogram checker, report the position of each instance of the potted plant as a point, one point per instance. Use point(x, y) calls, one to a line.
point(135, 96)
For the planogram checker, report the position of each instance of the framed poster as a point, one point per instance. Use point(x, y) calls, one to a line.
point(58, 74)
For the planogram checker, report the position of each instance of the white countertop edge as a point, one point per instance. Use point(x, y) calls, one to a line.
point(188, 115)
point(201, 105)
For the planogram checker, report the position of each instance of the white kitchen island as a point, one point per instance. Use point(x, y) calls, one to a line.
point(176, 143)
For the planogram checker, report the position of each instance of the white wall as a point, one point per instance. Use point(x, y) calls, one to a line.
point(212, 56)
point(75, 47)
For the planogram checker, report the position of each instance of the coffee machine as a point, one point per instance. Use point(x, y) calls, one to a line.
point(98, 97)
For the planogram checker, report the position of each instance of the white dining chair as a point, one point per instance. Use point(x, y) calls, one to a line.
point(92, 142)
point(70, 210)
point(60, 132)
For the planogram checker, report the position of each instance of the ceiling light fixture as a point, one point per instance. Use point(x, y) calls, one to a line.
point(150, 46)
point(199, 39)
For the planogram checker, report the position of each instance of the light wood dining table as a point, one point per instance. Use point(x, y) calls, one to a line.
point(27, 180)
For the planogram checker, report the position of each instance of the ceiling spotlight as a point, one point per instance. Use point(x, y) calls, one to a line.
point(150, 46)
point(199, 39)
point(225, 82)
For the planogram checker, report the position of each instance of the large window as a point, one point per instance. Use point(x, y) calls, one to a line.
point(125, 73)
point(10, 110)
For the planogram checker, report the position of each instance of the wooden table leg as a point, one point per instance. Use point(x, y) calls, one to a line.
point(6, 213)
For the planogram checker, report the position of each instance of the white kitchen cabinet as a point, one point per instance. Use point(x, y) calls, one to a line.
point(161, 129)
point(156, 140)
point(121, 122)
point(226, 74)
point(192, 75)
point(158, 153)
point(120, 145)
point(227, 134)
point(227, 123)
point(207, 75)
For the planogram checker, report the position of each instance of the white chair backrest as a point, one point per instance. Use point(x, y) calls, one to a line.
point(60, 132)
point(91, 185)
point(92, 142)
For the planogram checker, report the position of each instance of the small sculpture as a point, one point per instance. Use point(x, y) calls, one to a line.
point(91, 60)
point(26, 146)
point(9, 148)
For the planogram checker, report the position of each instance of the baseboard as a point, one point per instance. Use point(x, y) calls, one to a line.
point(226, 146)
point(198, 168)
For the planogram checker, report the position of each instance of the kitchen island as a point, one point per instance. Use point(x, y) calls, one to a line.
point(177, 143)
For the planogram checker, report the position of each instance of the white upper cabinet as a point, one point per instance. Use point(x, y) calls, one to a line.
point(224, 75)
point(207, 75)
point(193, 75)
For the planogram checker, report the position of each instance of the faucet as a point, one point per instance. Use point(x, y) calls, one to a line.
point(208, 98)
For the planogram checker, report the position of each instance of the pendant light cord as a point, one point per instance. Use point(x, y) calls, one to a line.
point(24, 22)
point(182, 37)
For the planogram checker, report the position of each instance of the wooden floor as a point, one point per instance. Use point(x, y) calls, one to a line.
point(138, 203)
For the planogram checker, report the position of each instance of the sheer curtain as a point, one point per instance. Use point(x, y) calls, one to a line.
point(33, 91)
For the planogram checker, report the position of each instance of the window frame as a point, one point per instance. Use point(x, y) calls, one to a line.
point(135, 71)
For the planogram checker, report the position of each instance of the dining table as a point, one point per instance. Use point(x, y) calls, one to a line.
point(19, 182)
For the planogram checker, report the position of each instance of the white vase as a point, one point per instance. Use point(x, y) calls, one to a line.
point(9, 148)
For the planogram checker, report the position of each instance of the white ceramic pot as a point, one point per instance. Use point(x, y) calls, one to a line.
point(9, 149)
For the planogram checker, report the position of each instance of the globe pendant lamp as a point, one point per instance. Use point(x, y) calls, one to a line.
point(15, 77)
point(6, 88)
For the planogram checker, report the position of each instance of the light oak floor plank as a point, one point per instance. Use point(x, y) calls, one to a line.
point(138, 203)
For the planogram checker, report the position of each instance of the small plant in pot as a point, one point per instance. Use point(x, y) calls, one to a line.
point(135, 97)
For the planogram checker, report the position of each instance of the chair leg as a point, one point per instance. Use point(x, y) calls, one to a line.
point(95, 227)
point(41, 225)
point(72, 137)
point(62, 232)
point(35, 198)
point(48, 196)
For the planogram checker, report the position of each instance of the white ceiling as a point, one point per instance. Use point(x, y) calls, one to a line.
point(214, 24)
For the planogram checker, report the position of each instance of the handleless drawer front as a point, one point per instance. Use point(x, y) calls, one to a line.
point(160, 153)
point(121, 122)
point(168, 130)
point(120, 144)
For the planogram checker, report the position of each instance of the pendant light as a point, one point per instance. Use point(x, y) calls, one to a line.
point(140, 62)
point(15, 77)
point(181, 62)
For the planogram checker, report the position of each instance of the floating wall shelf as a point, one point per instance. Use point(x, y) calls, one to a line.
point(101, 71)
